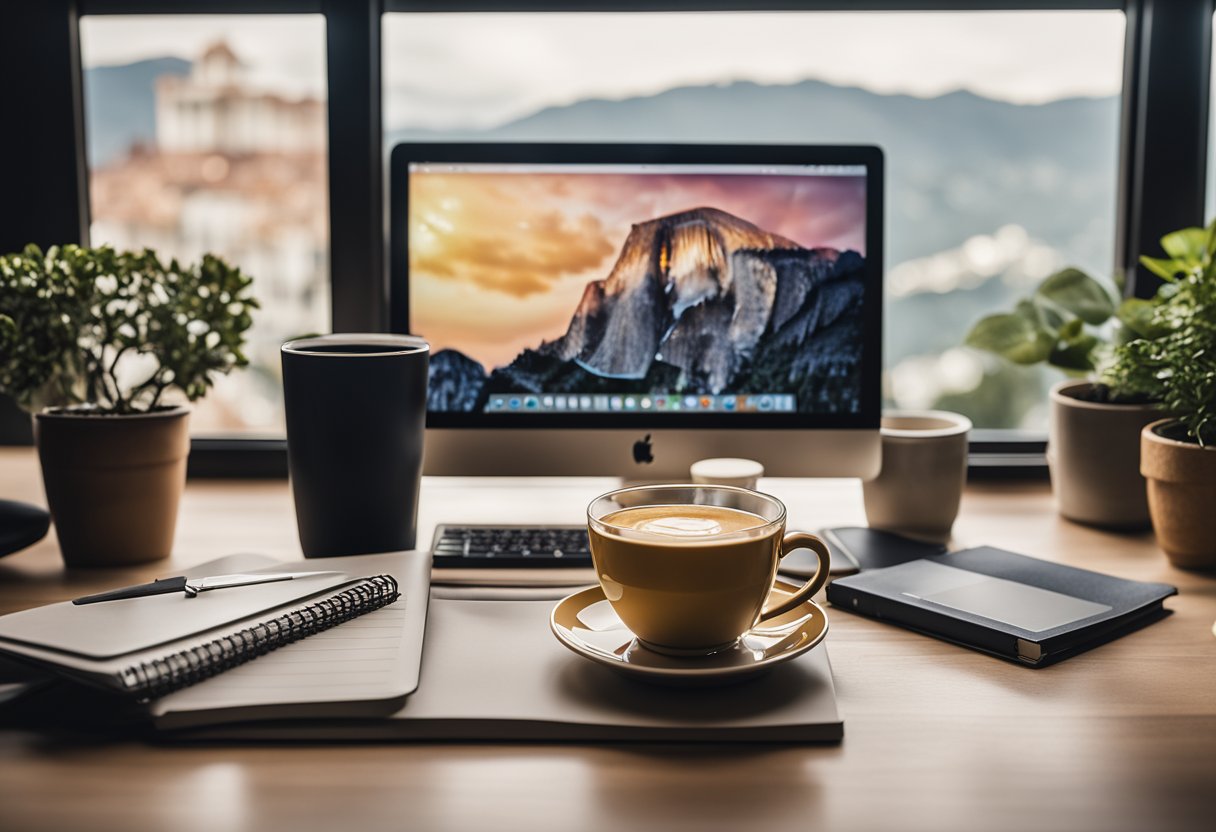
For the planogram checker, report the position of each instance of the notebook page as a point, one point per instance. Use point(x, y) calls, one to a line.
point(372, 658)
point(357, 660)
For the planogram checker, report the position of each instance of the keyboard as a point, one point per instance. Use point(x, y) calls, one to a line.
point(504, 547)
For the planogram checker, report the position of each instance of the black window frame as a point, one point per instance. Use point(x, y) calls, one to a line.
point(1163, 150)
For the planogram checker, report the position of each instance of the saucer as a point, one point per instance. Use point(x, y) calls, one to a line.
point(586, 623)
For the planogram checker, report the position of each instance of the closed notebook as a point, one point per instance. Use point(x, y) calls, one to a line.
point(1032, 611)
point(150, 647)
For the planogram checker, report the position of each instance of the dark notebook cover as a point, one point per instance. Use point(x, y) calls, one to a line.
point(1031, 611)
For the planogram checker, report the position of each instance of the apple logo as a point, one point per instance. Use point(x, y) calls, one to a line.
point(642, 451)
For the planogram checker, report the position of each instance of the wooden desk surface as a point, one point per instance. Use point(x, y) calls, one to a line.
point(937, 737)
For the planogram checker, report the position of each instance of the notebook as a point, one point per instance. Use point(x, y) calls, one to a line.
point(492, 671)
point(326, 644)
point(1032, 611)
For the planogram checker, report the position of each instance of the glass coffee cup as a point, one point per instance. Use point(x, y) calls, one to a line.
point(690, 568)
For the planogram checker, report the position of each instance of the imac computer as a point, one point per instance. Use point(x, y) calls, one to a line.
point(625, 310)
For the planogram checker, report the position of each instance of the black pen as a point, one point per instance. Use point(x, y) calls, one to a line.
point(193, 586)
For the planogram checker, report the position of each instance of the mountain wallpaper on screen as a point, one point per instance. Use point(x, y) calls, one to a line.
point(698, 302)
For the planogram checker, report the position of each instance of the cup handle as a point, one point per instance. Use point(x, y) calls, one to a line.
point(802, 540)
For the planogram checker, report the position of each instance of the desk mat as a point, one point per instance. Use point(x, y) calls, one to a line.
point(492, 671)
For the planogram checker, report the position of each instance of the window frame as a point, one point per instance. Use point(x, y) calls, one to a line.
point(1161, 176)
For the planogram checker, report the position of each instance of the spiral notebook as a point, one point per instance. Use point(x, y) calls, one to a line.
point(147, 648)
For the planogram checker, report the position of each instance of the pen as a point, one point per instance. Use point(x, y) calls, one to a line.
point(193, 586)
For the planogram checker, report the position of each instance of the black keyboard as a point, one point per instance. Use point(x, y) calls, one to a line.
point(504, 547)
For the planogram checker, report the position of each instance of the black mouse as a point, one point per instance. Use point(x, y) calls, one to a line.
point(21, 525)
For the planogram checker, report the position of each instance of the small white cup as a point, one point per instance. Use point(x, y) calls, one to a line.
point(741, 473)
point(924, 468)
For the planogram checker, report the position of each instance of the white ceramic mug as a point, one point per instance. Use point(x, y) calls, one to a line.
point(741, 473)
point(924, 468)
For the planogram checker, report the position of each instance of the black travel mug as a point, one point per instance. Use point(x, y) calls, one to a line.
point(356, 412)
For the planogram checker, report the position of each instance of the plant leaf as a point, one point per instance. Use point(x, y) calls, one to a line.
point(1071, 330)
point(1165, 269)
point(1014, 337)
point(1040, 315)
point(1188, 245)
point(1077, 354)
point(1137, 315)
point(1043, 313)
point(1078, 293)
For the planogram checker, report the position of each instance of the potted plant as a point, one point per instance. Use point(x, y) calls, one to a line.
point(1073, 323)
point(1176, 364)
point(104, 348)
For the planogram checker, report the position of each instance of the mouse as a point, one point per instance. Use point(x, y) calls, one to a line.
point(21, 525)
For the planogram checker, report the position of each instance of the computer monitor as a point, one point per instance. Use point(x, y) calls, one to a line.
point(626, 310)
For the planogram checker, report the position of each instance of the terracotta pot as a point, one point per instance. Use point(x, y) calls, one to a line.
point(1093, 454)
point(113, 482)
point(1181, 495)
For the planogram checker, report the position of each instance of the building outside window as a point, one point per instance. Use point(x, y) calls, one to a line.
point(208, 134)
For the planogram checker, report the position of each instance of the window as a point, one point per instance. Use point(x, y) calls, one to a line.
point(1044, 88)
point(1001, 132)
point(1209, 211)
point(208, 134)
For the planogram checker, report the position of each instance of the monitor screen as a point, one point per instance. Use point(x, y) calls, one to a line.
point(695, 286)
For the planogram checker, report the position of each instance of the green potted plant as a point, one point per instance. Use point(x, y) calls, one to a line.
point(1176, 364)
point(104, 348)
point(1073, 323)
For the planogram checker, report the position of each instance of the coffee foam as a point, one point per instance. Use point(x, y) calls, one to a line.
point(684, 522)
point(677, 526)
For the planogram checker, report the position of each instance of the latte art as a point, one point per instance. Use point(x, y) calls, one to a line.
point(685, 523)
point(682, 526)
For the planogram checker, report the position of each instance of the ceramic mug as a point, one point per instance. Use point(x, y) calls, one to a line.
point(924, 468)
point(356, 410)
point(744, 473)
point(689, 568)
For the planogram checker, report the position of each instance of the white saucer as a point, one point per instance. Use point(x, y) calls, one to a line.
point(586, 623)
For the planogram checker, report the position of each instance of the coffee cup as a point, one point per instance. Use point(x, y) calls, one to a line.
point(690, 568)
point(356, 410)
point(924, 468)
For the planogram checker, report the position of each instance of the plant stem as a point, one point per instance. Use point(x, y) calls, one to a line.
point(122, 405)
point(97, 368)
point(160, 388)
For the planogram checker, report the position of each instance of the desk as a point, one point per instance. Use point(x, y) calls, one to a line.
point(936, 737)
